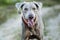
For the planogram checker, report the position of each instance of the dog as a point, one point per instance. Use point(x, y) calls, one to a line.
point(32, 25)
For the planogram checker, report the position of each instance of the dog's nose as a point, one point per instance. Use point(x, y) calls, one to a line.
point(30, 16)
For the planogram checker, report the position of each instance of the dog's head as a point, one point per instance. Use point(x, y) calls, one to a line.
point(29, 9)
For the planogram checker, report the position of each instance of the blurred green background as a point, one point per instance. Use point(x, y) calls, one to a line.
point(45, 2)
point(10, 23)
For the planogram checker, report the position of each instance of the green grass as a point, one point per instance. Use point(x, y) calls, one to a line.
point(6, 12)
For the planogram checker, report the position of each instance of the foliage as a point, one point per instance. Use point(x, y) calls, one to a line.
point(8, 2)
point(45, 2)
point(6, 12)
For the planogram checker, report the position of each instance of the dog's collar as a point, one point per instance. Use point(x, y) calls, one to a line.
point(25, 21)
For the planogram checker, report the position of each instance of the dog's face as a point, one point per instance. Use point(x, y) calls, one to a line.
point(29, 9)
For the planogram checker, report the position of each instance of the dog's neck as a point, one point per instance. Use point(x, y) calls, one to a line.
point(26, 23)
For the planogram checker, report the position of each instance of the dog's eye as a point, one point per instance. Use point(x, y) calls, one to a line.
point(26, 9)
point(33, 8)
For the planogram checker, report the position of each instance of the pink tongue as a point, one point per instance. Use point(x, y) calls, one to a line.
point(30, 23)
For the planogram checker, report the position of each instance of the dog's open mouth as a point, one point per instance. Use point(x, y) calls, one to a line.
point(29, 22)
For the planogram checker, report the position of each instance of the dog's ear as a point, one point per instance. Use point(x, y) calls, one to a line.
point(22, 5)
point(19, 6)
point(38, 4)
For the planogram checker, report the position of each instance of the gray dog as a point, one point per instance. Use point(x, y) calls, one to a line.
point(32, 25)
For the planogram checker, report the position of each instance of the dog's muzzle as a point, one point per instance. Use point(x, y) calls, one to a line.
point(31, 16)
point(29, 22)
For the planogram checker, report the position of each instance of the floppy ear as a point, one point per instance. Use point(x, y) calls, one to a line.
point(38, 4)
point(19, 6)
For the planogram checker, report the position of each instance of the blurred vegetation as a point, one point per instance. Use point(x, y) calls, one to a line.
point(45, 2)
point(49, 2)
point(8, 2)
point(6, 12)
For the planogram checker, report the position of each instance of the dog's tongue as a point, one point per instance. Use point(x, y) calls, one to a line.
point(30, 23)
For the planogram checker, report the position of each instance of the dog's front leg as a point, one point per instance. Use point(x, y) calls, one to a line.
point(27, 34)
